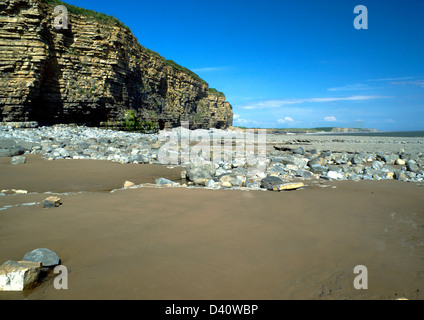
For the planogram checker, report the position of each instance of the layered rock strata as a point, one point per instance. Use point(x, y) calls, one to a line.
point(95, 71)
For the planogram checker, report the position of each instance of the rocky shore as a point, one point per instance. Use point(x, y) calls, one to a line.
point(286, 159)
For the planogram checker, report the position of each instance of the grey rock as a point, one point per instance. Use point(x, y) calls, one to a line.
point(335, 175)
point(335, 168)
point(6, 143)
point(46, 256)
point(357, 159)
point(315, 161)
point(277, 169)
point(270, 182)
point(253, 184)
point(354, 177)
point(18, 160)
point(211, 184)
point(390, 158)
point(319, 169)
point(340, 158)
point(377, 165)
point(299, 150)
point(357, 169)
point(400, 175)
point(304, 174)
point(14, 151)
point(200, 173)
point(412, 166)
point(165, 182)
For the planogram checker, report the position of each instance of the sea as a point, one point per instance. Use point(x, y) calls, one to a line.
point(397, 134)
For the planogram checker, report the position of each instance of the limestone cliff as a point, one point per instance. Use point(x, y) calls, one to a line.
point(94, 71)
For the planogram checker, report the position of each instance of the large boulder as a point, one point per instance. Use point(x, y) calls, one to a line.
point(47, 257)
point(19, 275)
point(9, 148)
point(270, 182)
point(200, 173)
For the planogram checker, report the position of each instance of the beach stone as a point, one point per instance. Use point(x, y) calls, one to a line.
point(340, 158)
point(354, 177)
point(252, 184)
point(19, 275)
point(377, 165)
point(316, 161)
point(319, 169)
point(304, 174)
point(52, 202)
point(128, 184)
point(412, 166)
point(296, 160)
point(211, 184)
point(335, 175)
point(18, 160)
point(399, 175)
point(47, 257)
point(288, 186)
point(238, 162)
point(166, 182)
point(226, 184)
point(200, 173)
point(276, 170)
point(357, 159)
point(400, 162)
point(234, 179)
point(390, 158)
point(7, 143)
point(357, 169)
point(14, 151)
point(270, 182)
point(335, 168)
point(299, 150)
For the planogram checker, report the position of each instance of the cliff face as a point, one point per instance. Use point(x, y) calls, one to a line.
point(93, 72)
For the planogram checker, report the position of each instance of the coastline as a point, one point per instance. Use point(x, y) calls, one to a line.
point(191, 242)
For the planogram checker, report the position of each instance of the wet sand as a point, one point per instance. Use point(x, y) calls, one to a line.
point(184, 244)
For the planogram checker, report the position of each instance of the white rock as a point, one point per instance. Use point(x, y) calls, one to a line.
point(400, 162)
point(335, 175)
point(128, 184)
point(19, 275)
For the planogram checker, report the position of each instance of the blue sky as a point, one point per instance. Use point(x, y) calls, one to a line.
point(293, 64)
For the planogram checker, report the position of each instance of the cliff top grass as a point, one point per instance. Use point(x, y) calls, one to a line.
point(111, 20)
point(100, 17)
point(219, 93)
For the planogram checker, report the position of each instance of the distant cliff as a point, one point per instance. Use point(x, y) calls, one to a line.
point(93, 72)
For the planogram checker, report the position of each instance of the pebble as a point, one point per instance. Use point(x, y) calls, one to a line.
point(128, 184)
point(285, 165)
point(52, 202)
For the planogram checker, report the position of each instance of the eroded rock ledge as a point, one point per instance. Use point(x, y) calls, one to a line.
point(96, 71)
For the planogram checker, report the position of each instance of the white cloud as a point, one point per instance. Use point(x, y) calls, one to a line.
point(280, 103)
point(351, 87)
point(419, 83)
point(208, 69)
point(244, 122)
point(330, 119)
point(285, 120)
point(392, 79)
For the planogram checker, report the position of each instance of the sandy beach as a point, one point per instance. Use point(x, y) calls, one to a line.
point(192, 243)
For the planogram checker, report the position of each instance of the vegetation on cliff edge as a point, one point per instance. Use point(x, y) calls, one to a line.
point(111, 20)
